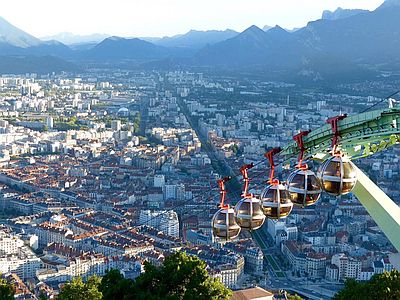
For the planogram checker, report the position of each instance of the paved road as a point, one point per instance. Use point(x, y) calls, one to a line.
point(225, 169)
point(143, 116)
point(219, 165)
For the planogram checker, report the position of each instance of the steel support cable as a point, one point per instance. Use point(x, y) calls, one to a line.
point(380, 101)
point(213, 191)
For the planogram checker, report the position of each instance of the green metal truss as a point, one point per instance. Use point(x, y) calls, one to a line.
point(360, 136)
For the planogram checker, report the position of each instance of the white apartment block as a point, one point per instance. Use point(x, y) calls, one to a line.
point(51, 234)
point(163, 220)
point(159, 181)
point(348, 267)
point(88, 265)
point(9, 244)
point(16, 258)
point(227, 274)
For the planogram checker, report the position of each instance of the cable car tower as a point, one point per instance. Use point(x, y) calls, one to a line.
point(336, 145)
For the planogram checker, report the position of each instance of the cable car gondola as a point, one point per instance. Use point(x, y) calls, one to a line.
point(223, 222)
point(275, 198)
point(338, 174)
point(303, 185)
point(248, 212)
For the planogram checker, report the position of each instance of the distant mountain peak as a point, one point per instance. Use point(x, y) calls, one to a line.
point(196, 39)
point(267, 27)
point(116, 48)
point(69, 38)
point(253, 31)
point(52, 42)
point(252, 34)
point(115, 38)
point(341, 13)
point(390, 3)
point(205, 31)
point(279, 28)
point(278, 34)
point(253, 28)
point(14, 36)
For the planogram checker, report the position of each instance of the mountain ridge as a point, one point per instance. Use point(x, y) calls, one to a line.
point(353, 39)
point(9, 34)
point(365, 37)
point(69, 38)
point(196, 38)
point(115, 48)
point(341, 13)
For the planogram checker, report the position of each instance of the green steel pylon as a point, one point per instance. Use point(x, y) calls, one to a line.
point(381, 208)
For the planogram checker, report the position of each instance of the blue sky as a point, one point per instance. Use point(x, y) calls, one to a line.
point(164, 17)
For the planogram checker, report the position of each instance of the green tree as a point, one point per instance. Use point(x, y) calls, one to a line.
point(42, 297)
point(6, 290)
point(235, 149)
point(352, 290)
point(77, 289)
point(73, 120)
point(384, 286)
point(294, 297)
point(114, 286)
point(136, 123)
point(181, 277)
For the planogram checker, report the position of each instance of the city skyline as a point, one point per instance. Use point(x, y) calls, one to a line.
point(159, 18)
point(261, 161)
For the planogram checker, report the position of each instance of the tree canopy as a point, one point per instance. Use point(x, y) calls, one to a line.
point(77, 289)
point(294, 297)
point(114, 286)
point(181, 277)
point(6, 290)
point(384, 286)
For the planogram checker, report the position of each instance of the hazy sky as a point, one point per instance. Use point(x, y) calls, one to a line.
point(163, 17)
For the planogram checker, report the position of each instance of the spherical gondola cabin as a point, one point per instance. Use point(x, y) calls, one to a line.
point(249, 214)
point(303, 187)
point(276, 203)
point(337, 175)
point(224, 224)
point(275, 198)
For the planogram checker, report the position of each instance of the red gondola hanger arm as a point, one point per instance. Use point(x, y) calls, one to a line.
point(221, 185)
point(334, 122)
point(270, 156)
point(300, 143)
point(244, 170)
